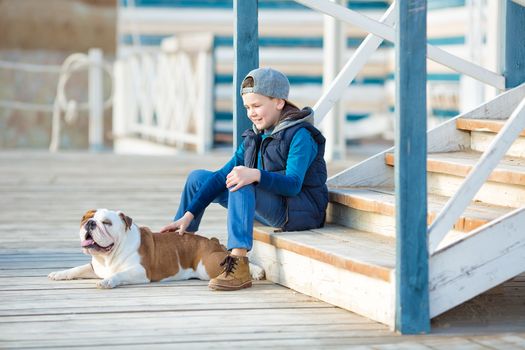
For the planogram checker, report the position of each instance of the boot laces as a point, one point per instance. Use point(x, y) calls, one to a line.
point(229, 264)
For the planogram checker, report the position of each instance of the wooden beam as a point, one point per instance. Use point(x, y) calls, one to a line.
point(246, 50)
point(412, 306)
point(514, 45)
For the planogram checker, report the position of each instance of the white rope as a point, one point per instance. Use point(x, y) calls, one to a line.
point(73, 63)
point(37, 68)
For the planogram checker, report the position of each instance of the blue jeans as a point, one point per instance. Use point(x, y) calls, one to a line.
point(244, 205)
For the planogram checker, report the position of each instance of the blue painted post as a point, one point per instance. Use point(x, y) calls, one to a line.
point(412, 309)
point(514, 45)
point(246, 48)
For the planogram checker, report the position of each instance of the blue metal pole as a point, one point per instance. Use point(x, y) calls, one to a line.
point(514, 45)
point(246, 48)
point(412, 301)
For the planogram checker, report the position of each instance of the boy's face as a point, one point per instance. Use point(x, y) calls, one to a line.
point(262, 110)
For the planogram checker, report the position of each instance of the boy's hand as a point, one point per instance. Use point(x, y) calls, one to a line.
point(241, 176)
point(180, 225)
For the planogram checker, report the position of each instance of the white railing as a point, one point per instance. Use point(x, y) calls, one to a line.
point(93, 62)
point(476, 178)
point(167, 96)
point(384, 29)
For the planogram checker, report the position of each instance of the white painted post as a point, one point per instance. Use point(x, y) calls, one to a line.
point(205, 107)
point(96, 101)
point(122, 99)
point(333, 125)
point(494, 49)
point(472, 90)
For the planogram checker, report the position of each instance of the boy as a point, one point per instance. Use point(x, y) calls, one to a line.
point(277, 176)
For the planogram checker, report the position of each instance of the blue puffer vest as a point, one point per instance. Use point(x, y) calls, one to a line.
point(307, 210)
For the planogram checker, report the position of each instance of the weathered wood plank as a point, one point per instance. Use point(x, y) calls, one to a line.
point(480, 141)
point(382, 201)
point(455, 270)
point(39, 225)
point(372, 297)
point(487, 125)
point(510, 170)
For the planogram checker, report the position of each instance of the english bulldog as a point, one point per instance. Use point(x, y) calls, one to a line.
point(124, 253)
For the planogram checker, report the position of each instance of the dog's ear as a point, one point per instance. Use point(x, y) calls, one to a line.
point(88, 215)
point(127, 220)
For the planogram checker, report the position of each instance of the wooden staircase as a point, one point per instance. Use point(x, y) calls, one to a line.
point(351, 261)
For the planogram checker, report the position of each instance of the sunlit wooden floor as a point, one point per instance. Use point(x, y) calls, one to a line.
point(42, 198)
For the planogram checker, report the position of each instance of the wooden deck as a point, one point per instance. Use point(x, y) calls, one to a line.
point(43, 197)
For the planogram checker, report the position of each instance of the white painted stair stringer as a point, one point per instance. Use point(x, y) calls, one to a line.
point(488, 257)
point(371, 297)
point(443, 138)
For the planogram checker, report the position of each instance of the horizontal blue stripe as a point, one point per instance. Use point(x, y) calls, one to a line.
point(228, 116)
point(305, 79)
point(444, 112)
point(227, 41)
point(436, 112)
point(316, 42)
point(436, 76)
point(263, 4)
point(454, 40)
point(441, 4)
point(281, 4)
point(312, 42)
point(223, 115)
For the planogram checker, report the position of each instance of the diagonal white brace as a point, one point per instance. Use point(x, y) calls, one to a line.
point(387, 32)
point(351, 69)
point(476, 178)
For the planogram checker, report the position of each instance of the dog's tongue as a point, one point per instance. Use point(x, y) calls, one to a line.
point(87, 242)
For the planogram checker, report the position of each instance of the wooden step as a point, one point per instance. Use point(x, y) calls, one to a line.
point(484, 131)
point(355, 201)
point(510, 170)
point(487, 125)
point(447, 171)
point(488, 257)
point(348, 268)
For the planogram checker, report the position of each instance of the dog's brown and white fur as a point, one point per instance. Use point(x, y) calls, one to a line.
point(123, 253)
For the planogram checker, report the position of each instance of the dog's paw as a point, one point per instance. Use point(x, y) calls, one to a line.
point(257, 272)
point(106, 283)
point(60, 275)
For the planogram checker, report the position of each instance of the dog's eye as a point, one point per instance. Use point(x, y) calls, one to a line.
point(107, 222)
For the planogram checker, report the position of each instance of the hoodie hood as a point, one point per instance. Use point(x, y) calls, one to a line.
point(290, 116)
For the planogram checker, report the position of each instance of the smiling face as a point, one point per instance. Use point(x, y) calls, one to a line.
point(263, 111)
point(101, 229)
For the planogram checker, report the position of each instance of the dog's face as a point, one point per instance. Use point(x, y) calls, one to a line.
point(102, 229)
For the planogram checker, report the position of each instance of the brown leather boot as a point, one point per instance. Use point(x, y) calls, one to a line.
point(236, 274)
